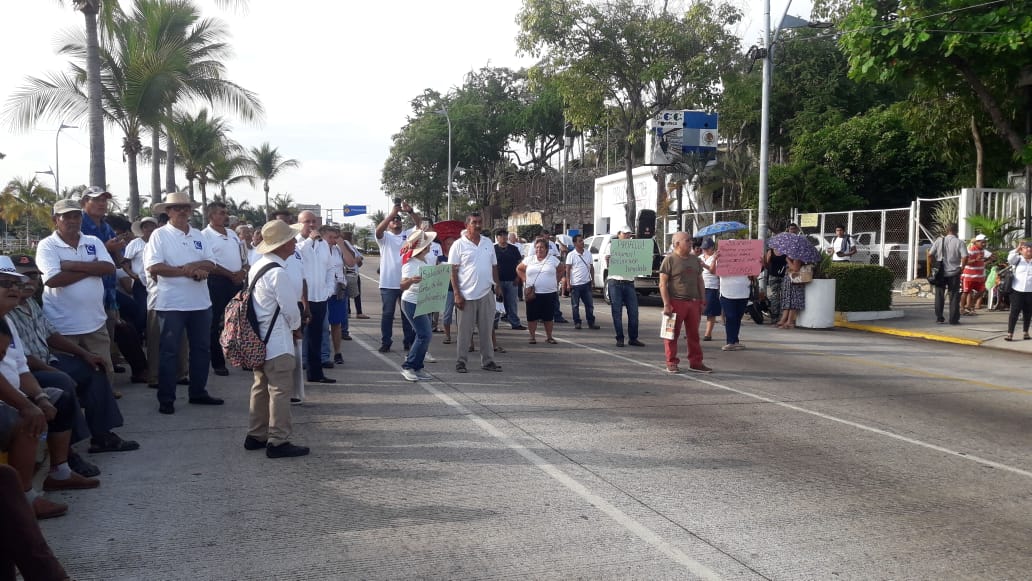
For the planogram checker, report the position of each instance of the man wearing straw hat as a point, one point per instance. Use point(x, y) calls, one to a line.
point(180, 259)
point(275, 299)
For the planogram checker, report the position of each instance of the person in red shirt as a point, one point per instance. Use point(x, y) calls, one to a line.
point(972, 278)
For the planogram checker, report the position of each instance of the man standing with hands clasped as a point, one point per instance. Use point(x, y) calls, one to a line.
point(474, 271)
point(683, 292)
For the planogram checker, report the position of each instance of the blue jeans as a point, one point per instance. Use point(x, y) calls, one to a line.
point(95, 395)
point(512, 313)
point(314, 339)
point(578, 293)
point(389, 298)
point(733, 309)
point(326, 341)
point(422, 332)
point(621, 294)
point(197, 326)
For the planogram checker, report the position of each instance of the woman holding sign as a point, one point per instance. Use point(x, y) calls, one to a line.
point(540, 275)
point(734, 292)
point(419, 241)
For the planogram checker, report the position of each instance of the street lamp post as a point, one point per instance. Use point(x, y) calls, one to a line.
point(57, 158)
point(444, 111)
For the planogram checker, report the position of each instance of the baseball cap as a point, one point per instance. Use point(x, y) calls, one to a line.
point(980, 237)
point(95, 192)
point(25, 264)
point(65, 206)
point(626, 229)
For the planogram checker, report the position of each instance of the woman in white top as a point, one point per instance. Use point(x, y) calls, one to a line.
point(734, 297)
point(541, 272)
point(419, 241)
point(1021, 290)
point(712, 284)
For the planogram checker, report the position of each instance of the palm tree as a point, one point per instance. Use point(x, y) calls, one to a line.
point(228, 168)
point(28, 199)
point(265, 163)
point(200, 141)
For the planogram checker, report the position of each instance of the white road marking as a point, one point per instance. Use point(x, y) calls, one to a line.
point(641, 531)
point(872, 429)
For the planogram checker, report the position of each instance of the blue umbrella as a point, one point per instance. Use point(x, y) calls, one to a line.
point(795, 246)
point(720, 228)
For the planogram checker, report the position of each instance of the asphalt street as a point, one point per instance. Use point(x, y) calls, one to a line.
point(830, 454)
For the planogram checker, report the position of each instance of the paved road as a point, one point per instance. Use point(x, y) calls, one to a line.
point(811, 455)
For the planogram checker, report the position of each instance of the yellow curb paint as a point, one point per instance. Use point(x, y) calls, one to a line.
point(912, 334)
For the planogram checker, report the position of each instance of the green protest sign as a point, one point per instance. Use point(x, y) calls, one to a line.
point(630, 258)
point(433, 289)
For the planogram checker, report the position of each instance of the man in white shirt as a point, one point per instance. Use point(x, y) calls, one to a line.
point(275, 299)
point(842, 247)
point(390, 239)
point(179, 258)
point(474, 273)
point(578, 282)
point(315, 260)
point(622, 294)
point(73, 266)
point(225, 279)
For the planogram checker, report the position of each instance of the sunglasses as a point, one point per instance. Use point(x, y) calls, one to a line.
point(10, 283)
point(177, 208)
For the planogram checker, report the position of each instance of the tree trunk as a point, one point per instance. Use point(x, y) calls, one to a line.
point(155, 165)
point(98, 171)
point(976, 135)
point(630, 207)
point(266, 185)
point(203, 186)
point(134, 187)
point(170, 166)
point(1003, 125)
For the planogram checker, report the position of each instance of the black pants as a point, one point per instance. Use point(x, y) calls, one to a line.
point(1019, 303)
point(314, 337)
point(221, 290)
point(95, 394)
point(21, 542)
point(953, 286)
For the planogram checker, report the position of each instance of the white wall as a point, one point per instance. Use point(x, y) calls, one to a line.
point(611, 194)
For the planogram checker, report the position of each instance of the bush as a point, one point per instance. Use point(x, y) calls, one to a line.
point(529, 232)
point(861, 287)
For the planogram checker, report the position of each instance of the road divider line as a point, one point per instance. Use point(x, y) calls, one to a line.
point(857, 425)
point(570, 483)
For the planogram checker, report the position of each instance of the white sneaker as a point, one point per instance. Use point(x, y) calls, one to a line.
point(423, 375)
point(409, 375)
point(728, 347)
point(429, 358)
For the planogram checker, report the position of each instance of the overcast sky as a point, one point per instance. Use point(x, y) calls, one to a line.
point(336, 79)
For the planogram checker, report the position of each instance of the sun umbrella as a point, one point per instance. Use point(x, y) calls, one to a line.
point(795, 247)
point(720, 228)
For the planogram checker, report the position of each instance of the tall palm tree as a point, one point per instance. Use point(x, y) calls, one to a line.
point(265, 163)
point(228, 169)
point(28, 199)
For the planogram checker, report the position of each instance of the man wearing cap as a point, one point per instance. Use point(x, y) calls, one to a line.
point(622, 294)
point(73, 266)
point(275, 299)
point(142, 229)
point(509, 258)
point(972, 278)
point(315, 261)
point(225, 279)
point(390, 239)
point(180, 259)
point(474, 272)
point(94, 203)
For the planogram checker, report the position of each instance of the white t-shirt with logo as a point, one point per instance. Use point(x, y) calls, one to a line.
point(78, 308)
point(225, 248)
point(173, 247)
point(390, 259)
point(476, 264)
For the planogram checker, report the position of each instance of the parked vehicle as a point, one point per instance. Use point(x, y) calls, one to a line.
point(599, 247)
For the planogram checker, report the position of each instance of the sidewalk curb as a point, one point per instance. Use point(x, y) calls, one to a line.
point(911, 334)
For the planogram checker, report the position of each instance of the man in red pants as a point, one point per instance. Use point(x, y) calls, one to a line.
point(684, 295)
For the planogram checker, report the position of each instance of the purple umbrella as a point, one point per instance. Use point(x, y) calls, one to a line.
point(794, 246)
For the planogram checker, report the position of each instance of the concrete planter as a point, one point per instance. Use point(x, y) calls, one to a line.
point(820, 305)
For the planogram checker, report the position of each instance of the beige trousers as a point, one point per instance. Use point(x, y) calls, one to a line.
point(98, 342)
point(270, 400)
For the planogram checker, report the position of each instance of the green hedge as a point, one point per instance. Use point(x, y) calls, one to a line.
point(861, 287)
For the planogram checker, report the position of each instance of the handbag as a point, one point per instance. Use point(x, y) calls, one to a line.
point(354, 289)
point(938, 276)
point(804, 275)
point(529, 293)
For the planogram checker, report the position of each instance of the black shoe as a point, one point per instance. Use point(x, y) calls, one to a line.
point(461, 368)
point(338, 359)
point(635, 343)
point(80, 466)
point(221, 371)
point(561, 320)
point(619, 343)
point(322, 380)
point(184, 381)
point(152, 385)
point(576, 326)
point(384, 349)
point(252, 443)
point(295, 401)
point(327, 365)
point(519, 328)
point(110, 442)
point(407, 346)
point(286, 450)
point(206, 400)
point(594, 326)
point(167, 408)
point(346, 337)
point(492, 366)
point(118, 368)
point(941, 321)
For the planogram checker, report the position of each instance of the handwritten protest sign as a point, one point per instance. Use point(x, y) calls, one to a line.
point(631, 258)
point(433, 289)
point(740, 257)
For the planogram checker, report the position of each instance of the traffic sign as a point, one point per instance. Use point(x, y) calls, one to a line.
point(353, 210)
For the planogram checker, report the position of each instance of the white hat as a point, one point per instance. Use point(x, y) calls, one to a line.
point(626, 229)
point(174, 199)
point(276, 233)
point(137, 226)
point(95, 192)
point(418, 240)
point(7, 268)
point(980, 237)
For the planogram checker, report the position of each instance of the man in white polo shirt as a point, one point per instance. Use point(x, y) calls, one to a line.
point(179, 258)
point(315, 260)
point(225, 280)
point(390, 239)
point(73, 266)
point(474, 271)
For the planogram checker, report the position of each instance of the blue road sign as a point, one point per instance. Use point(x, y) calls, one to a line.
point(353, 210)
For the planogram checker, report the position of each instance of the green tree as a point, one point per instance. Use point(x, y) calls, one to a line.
point(265, 163)
point(201, 141)
point(227, 168)
point(27, 200)
point(641, 55)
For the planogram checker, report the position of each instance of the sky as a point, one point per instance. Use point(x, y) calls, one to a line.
point(335, 87)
